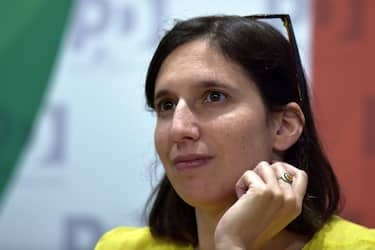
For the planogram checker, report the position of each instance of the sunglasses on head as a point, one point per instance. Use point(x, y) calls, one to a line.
point(287, 23)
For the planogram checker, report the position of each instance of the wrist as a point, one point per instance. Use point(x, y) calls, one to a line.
point(231, 244)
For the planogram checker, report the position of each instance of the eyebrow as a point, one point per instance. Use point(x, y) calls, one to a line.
point(201, 85)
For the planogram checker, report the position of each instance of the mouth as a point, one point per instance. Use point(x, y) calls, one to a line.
point(191, 161)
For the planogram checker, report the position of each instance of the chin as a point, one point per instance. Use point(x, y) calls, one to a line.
point(203, 200)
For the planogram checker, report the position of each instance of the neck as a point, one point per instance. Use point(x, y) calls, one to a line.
point(206, 223)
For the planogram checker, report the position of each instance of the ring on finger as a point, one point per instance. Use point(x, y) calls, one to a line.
point(286, 177)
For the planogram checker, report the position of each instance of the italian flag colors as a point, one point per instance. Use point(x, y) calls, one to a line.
point(30, 36)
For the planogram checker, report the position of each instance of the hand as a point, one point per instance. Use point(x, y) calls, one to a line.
point(266, 205)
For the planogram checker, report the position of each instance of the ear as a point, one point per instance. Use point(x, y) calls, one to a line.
point(288, 127)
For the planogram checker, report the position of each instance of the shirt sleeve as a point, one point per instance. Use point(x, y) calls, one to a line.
point(112, 240)
point(126, 238)
point(344, 235)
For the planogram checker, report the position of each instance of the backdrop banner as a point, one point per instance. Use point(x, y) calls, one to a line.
point(344, 90)
point(30, 35)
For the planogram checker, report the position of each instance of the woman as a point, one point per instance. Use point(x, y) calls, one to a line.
point(236, 136)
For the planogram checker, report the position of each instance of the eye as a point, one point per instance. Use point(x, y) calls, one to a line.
point(165, 105)
point(215, 96)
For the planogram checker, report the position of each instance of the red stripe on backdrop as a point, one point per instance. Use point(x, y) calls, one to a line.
point(344, 91)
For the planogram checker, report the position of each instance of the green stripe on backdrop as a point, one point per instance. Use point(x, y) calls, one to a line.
point(30, 35)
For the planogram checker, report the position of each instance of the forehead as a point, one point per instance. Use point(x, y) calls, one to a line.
point(199, 60)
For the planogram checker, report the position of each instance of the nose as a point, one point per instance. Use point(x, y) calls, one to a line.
point(184, 125)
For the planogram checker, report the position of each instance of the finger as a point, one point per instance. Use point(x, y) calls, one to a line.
point(293, 196)
point(268, 175)
point(300, 179)
point(291, 199)
point(280, 172)
point(248, 180)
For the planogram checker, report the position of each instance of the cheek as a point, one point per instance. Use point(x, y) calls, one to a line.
point(256, 145)
point(245, 141)
point(160, 140)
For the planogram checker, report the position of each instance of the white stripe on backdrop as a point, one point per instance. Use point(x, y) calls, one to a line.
point(87, 167)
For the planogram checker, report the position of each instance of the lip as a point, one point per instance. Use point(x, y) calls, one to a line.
point(191, 161)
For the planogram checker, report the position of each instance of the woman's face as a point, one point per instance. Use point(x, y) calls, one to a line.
point(211, 124)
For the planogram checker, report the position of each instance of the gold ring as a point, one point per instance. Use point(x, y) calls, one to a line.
point(286, 177)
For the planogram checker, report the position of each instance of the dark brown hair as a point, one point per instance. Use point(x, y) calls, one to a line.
point(266, 55)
